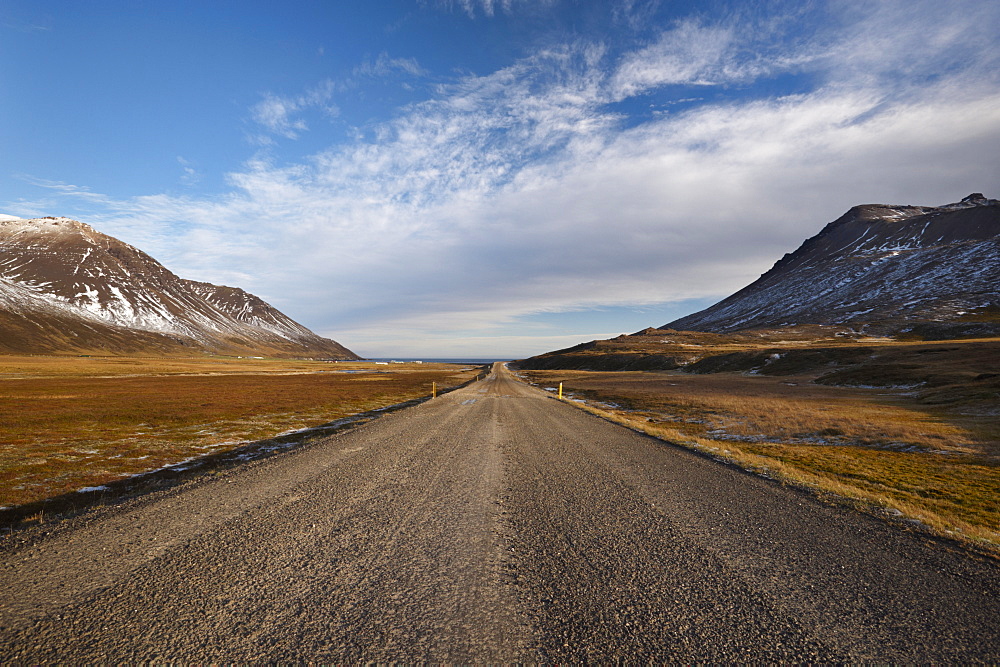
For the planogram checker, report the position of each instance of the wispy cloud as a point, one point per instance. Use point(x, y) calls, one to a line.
point(21, 26)
point(900, 43)
point(276, 114)
point(637, 14)
point(280, 114)
point(489, 8)
point(384, 66)
point(526, 191)
point(66, 189)
point(691, 54)
point(284, 115)
point(190, 175)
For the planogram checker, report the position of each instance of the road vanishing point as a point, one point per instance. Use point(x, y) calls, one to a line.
point(491, 524)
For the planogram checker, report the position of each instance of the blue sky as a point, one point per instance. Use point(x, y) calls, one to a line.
point(489, 177)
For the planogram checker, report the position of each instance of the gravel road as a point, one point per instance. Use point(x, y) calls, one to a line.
point(493, 523)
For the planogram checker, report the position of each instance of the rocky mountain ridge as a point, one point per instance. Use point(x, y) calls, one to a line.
point(66, 287)
point(881, 266)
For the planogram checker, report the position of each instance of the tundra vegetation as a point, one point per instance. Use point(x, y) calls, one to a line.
point(69, 423)
point(909, 429)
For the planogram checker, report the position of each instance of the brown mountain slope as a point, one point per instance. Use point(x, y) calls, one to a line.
point(64, 287)
point(911, 272)
point(889, 267)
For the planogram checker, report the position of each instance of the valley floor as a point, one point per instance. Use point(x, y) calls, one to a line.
point(490, 525)
point(71, 423)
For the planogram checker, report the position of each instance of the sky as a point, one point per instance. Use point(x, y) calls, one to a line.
point(489, 178)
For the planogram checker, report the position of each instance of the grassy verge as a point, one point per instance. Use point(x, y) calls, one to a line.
point(71, 423)
point(881, 449)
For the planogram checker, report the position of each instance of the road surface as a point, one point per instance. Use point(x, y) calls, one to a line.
point(493, 523)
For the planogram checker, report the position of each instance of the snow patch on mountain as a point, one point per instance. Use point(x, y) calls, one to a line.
point(876, 263)
point(61, 265)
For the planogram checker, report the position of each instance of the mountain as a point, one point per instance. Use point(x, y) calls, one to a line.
point(894, 269)
point(67, 287)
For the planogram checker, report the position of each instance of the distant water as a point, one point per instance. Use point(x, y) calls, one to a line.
point(440, 361)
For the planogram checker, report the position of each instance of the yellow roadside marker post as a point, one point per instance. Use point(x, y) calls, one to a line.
point(434, 389)
point(560, 391)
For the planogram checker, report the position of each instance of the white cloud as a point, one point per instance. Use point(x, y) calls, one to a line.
point(190, 175)
point(490, 8)
point(900, 43)
point(384, 65)
point(66, 189)
point(21, 26)
point(275, 114)
point(522, 192)
point(279, 114)
point(637, 14)
point(689, 54)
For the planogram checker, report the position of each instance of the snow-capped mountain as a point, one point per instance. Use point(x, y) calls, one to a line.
point(66, 286)
point(888, 266)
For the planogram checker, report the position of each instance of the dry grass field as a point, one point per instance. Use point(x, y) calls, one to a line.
point(899, 452)
point(68, 423)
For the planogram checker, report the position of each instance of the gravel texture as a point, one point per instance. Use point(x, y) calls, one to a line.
point(491, 524)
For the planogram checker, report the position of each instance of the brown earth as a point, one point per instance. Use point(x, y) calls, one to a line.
point(68, 423)
point(491, 525)
point(963, 373)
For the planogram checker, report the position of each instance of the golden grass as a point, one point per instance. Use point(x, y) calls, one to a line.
point(33, 366)
point(876, 447)
point(779, 409)
point(69, 423)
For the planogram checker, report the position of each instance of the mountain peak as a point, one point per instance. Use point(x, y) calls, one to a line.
point(975, 199)
point(881, 213)
point(65, 286)
point(47, 226)
point(877, 263)
point(49, 220)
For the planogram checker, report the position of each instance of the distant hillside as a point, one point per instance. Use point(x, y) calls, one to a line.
point(916, 272)
point(65, 287)
point(931, 270)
